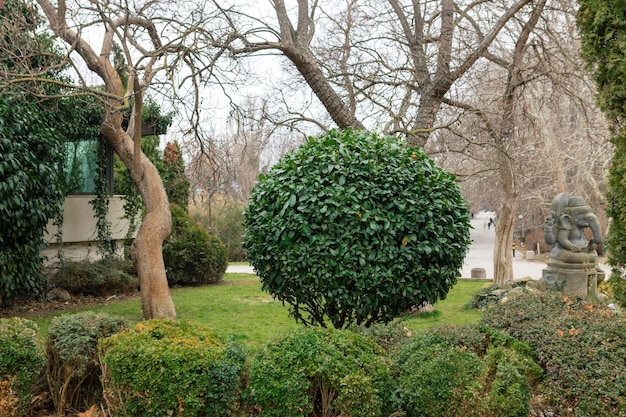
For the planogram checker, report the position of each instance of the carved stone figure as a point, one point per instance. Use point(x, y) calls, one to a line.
point(572, 265)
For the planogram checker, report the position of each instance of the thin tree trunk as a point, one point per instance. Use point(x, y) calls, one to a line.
point(502, 255)
point(147, 254)
point(147, 248)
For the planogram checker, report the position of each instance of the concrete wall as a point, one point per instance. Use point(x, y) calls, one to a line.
point(79, 228)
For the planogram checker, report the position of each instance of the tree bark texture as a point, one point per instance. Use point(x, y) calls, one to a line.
point(147, 254)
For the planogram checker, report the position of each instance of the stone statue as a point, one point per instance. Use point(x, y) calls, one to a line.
point(564, 230)
point(572, 265)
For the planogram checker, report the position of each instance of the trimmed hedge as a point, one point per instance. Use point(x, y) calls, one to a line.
point(323, 372)
point(163, 368)
point(21, 361)
point(465, 371)
point(581, 345)
point(356, 228)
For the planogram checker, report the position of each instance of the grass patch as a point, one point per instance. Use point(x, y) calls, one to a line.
point(237, 307)
point(452, 310)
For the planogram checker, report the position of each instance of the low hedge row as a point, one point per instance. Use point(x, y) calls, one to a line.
point(172, 368)
point(569, 352)
point(580, 343)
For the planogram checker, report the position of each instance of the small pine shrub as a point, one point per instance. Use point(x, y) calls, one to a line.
point(72, 365)
point(191, 255)
point(21, 359)
point(321, 372)
point(105, 277)
point(579, 343)
point(164, 368)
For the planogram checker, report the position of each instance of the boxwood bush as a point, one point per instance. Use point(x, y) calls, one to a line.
point(465, 371)
point(579, 343)
point(72, 365)
point(104, 277)
point(356, 228)
point(21, 361)
point(164, 368)
point(321, 372)
point(191, 255)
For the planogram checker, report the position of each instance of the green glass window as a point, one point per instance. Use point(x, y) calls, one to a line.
point(81, 166)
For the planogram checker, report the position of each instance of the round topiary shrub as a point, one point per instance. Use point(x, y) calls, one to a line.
point(72, 365)
point(164, 368)
point(357, 228)
point(191, 255)
point(320, 372)
point(21, 361)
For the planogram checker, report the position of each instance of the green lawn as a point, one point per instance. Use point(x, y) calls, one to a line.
point(237, 307)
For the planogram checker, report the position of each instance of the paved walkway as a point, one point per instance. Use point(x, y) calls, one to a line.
point(480, 254)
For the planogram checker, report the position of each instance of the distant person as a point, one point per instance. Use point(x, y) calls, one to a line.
point(513, 247)
point(489, 224)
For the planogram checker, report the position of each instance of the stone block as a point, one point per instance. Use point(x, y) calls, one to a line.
point(478, 273)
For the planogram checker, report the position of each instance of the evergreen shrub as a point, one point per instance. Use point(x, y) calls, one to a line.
point(321, 372)
point(21, 360)
point(164, 368)
point(356, 228)
point(104, 277)
point(191, 255)
point(72, 365)
point(580, 344)
point(465, 371)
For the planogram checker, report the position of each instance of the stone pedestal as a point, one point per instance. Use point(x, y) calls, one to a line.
point(579, 279)
point(478, 273)
point(530, 255)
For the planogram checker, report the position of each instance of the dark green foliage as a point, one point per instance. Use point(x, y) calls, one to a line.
point(192, 256)
point(72, 365)
point(357, 228)
point(616, 210)
point(580, 344)
point(162, 368)
point(106, 277)
point(21, 357)
point(602, 28)
point(32, 183)
point(322, 372)
point(31, 192)
point(437, 379)
point(465, 371)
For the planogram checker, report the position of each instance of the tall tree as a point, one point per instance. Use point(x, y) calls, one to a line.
point(411, 71)
point(602, 26)
point(166, 46)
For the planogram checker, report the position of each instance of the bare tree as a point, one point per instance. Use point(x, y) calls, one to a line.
point(422, 69)
point(166, 46)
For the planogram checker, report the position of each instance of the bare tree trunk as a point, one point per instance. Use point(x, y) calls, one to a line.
point(502, 255)
point(147, 249)
point(295, 45)
point(503, 259)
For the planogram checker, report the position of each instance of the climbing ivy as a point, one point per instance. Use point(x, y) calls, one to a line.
point(31, 192)
point(602, 28)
